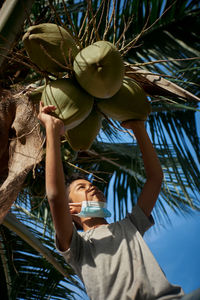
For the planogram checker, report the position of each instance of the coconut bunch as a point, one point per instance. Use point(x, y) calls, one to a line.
point(94, 88)
point(50, 47)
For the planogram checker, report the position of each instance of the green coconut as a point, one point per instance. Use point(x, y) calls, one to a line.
point(130, 102)
point(73, 104)
point(99, 69)
point(50, 46)
point(82, 136)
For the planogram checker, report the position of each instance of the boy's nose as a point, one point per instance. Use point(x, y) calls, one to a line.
point(90, 188)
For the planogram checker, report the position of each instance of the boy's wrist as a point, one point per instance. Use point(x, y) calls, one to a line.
point(133, 124)
point(138, 127)
point(53, 130)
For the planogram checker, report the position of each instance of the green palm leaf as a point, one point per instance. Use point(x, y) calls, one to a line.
point(32, 257)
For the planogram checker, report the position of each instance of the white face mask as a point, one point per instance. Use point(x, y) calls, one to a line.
point(96, 209)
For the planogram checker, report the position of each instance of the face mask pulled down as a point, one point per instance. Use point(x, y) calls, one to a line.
point(94, 209)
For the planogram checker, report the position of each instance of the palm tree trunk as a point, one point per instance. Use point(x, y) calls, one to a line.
point(24, 145)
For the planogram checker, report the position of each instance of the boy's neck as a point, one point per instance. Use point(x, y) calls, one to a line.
point(91, 223)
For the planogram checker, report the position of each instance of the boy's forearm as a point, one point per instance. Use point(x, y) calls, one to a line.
point(54, 175)
point(55, 184)
point(154, 174)
point(55, 189)
point(151, 162)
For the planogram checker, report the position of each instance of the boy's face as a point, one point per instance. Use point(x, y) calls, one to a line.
point(83, 190)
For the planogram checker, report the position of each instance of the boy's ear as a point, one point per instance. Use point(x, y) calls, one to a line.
point(74, 208)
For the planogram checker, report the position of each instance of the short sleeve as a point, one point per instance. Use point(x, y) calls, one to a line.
point(140, 220)
point(74, 252)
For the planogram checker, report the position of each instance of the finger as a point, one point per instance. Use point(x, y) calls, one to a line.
point(75, 204)
point(127, 123)
point(48, 109)
point(41, 106)
point(124, 124)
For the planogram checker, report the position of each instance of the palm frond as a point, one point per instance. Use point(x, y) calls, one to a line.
point(25, 259)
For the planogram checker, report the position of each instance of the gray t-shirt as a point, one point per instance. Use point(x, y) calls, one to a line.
point(114, 262)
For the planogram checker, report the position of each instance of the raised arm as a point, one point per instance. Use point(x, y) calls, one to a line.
point(54, 175)
point(153, 170)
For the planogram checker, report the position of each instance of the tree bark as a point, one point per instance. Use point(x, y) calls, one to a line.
point(20, 146)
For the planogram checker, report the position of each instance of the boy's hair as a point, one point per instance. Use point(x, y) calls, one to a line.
point(73, 177)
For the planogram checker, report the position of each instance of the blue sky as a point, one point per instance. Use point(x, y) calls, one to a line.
point(176, 247)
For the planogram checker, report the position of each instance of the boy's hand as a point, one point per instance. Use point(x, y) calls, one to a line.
point(133, 124)
point(49, 120)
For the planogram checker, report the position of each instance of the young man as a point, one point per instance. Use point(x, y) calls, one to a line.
point(112, 260)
